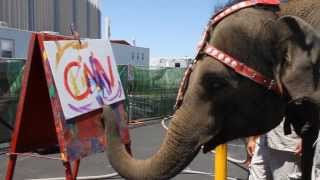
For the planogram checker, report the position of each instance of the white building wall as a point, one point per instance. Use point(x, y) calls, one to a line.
point(183, 62)
point(20, 41)
point(125, 54)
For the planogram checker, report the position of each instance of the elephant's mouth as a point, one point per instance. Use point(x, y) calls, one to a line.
point(210, 145)
point(213, 141)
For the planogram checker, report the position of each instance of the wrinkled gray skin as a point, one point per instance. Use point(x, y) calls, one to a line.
point(301, 69)
point(221, 105)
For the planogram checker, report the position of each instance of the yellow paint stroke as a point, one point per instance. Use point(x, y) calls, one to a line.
point(44, 55)
point(74, 84)
point(61, 49)
point(83, 81)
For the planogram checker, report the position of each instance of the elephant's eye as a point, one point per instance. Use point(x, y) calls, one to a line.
point(216, 85)
point(213, 83)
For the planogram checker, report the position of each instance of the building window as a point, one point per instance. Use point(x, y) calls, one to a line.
point(6, 48)
point(138, 56)
point(142, 56)
point(132, 55)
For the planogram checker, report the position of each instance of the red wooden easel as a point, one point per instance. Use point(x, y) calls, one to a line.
point(40, 123)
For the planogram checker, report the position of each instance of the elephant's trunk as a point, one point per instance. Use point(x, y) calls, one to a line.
point(180, 146)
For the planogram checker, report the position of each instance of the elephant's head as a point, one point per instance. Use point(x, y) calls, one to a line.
point(219, 104)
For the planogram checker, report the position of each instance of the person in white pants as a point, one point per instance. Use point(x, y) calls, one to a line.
point(316, 161)
point(275, 156)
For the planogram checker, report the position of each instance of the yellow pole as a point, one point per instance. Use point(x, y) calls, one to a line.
point(221, 162)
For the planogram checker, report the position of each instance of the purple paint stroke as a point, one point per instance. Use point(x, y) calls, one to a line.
point(80, 109)
point(118, 94)
point(99, 78)
point(87, 108)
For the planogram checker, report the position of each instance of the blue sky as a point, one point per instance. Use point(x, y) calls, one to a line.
point(170, 28)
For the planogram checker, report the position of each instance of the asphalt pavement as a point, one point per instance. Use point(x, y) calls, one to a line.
point(145, 141)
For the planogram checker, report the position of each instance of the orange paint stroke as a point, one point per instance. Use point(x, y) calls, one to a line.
point(61, 49)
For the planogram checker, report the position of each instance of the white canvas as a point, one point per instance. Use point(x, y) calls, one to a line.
point(86, 76)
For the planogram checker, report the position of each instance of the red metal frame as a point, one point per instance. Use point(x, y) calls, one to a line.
point(49, 122)
point(22, 139)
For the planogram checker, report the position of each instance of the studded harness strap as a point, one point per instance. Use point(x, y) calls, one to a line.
point(223, 57)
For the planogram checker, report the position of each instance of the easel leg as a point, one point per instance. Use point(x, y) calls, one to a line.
point(76, 169)
point(11, 166)
point(68, 170)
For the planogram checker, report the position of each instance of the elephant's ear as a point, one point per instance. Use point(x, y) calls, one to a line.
point(298, 68)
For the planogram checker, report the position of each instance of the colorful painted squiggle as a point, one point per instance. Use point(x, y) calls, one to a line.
point(86, 76)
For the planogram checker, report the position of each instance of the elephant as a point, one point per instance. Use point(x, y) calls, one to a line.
point(219, 105)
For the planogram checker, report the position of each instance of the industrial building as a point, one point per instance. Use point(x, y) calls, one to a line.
point(126, 54)
point(53, 15)
point(19, 18)
point(14, 44)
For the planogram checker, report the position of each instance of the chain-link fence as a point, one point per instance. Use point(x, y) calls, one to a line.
point(149, 92)
point(10, 84)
